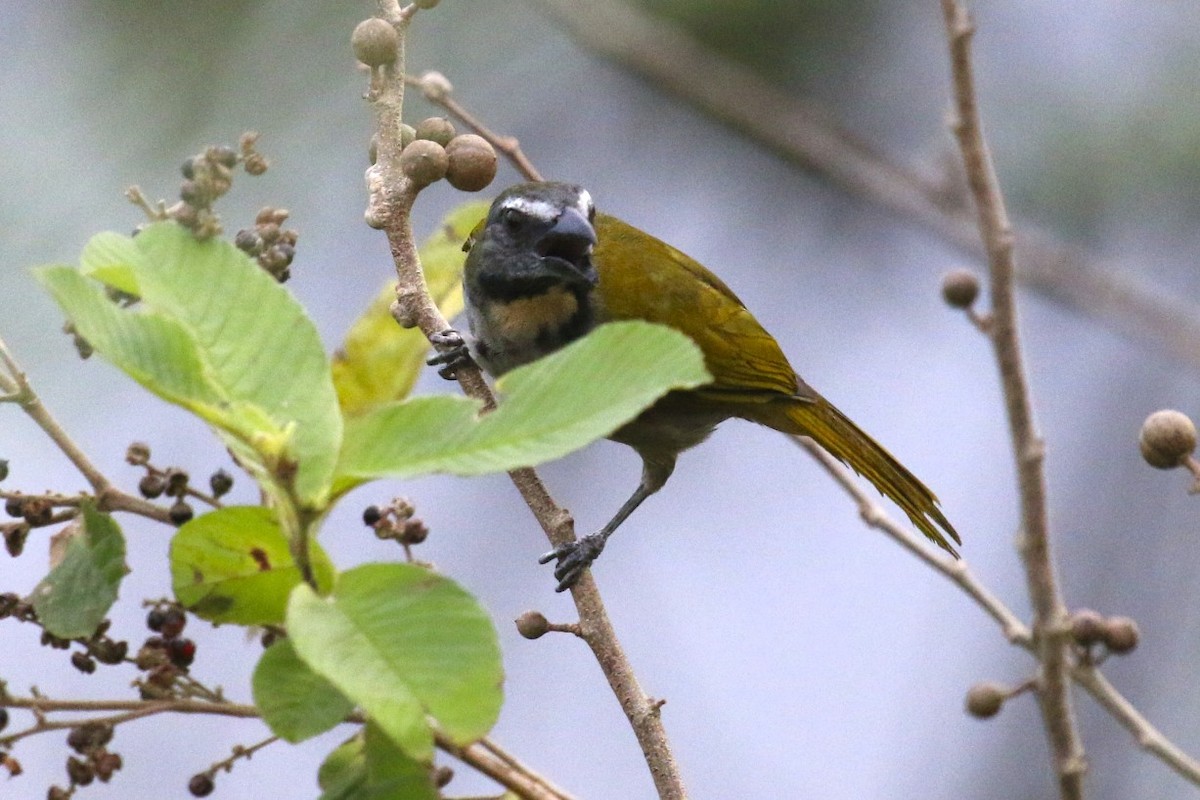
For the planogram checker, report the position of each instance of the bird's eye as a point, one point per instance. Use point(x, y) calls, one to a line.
point(512, 219)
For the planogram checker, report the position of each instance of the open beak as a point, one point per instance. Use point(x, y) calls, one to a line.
point(570, 240)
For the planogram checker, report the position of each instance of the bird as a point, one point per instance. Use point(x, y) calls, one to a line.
point(543, 268)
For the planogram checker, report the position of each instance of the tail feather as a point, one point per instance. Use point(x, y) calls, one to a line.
point(830, 428)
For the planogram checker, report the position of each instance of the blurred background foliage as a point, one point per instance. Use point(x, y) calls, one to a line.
point(801, 657)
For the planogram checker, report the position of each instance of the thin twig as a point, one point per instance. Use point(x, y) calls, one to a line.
point(1050, 627)
point(437, 90)
point(1148, 737)
point(807, 136)
point(957, 571)
point(501, 767)
point(391, 195)
point(487, 757)
point(108, 496)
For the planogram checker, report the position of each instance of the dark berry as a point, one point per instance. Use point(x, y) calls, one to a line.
point(191, 193)
point(80, 772)
point(180, 512)
point(188, 169)
point(14, 538)
point(83, 662)
point(151, 486)
point(38, 511)
point(177, 482)
point(414, 531)
point(3, 718)
point(248, 242)
point(155, 619)
point(220, 482)
point(182, 652)
point(200, 785)
point(106, 651)
point(3, 468)
point(14, 507)
point(371, 516)
point(173, 621)
point(50, 640)
point(106, 764)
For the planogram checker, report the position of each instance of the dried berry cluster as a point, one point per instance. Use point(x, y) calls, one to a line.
point(174, 482)
point(208, 176)
point(93, 759)
point(396, 521)
point(1095, 637)
point(97, 648)
point(166, 655)
point(31, 511)
point(272, 245)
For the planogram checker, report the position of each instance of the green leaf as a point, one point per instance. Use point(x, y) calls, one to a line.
point(369, 767)
point(403, 642)
point(75, 597)
point(550, 407)
point(109, 257)
point(234, 565)
point(217, 335)
point(295, 702)
point(379, 362)
point(344, 770)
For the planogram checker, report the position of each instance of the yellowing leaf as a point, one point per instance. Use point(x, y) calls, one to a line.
point(380, 361)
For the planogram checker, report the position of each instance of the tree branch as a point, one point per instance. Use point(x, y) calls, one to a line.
point(389, 207)
point(108, 496)
point(806, 135)
point(1051, 632)
point(956, 570)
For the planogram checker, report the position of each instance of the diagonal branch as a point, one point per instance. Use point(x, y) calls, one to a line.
point(108, 497)
point(805, 135)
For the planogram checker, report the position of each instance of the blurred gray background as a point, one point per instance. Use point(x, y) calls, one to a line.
point(801, 655)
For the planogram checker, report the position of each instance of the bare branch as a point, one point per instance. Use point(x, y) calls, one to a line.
point(806, 135)
point(1148, 737)
point(955, 570)
point(436, 89)
point(108, 496)
point(1051, 631)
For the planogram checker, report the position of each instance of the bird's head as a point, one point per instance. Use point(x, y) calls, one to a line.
point(536, 235)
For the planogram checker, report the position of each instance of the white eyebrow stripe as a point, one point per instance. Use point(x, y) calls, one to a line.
point(584, 203)
point(534, 208)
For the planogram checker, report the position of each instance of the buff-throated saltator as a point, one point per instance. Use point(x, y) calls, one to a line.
point(544, 268)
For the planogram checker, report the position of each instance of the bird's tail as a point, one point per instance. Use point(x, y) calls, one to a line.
point(830, 428)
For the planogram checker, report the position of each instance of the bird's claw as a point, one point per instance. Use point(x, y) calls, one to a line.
point(452, 353)
point(573, 558)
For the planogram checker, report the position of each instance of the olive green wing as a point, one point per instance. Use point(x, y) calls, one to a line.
point(642, 277)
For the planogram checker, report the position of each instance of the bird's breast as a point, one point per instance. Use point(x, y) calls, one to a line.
point(513, 332)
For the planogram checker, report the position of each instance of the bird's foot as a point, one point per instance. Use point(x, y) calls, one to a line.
point(452, 353)
point(573, 558)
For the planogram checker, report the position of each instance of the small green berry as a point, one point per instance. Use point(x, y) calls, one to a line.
point(375, 42)
point(435, 129)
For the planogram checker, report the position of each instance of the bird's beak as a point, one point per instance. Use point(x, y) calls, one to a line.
point(570, 240)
